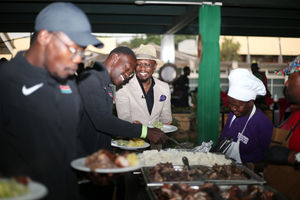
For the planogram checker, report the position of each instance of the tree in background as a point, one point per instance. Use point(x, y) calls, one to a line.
point(137, 41)
point(229, 50)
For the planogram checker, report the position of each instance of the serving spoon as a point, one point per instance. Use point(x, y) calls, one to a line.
point(186, 162)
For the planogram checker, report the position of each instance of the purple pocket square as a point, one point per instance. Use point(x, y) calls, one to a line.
point(162, 98)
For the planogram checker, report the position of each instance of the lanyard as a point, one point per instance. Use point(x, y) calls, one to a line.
point(251, 114)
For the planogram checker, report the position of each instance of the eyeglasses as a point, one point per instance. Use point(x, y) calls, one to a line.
point(85, 55)
point(146, 65)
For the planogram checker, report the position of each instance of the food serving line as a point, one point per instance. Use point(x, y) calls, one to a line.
point(164, 175)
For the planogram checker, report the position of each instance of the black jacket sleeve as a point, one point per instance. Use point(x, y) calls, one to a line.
point(98, 106)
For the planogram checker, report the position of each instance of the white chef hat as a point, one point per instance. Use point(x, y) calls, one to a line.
point(244, 86)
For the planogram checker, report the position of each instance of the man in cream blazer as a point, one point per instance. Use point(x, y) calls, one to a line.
point(131, 103)
point(145, 99)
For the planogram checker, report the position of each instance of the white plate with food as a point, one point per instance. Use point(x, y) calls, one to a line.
point(130, 144)
point(166, 128)
point(33, 190)
point(169, 128)
point(104, 161)
point(79, 164)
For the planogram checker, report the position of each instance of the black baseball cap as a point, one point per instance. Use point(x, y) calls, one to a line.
point(69, 19)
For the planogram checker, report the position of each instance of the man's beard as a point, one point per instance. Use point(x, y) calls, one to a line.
point(143, 80)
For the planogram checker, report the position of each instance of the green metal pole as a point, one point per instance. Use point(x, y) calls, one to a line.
point(208, 100)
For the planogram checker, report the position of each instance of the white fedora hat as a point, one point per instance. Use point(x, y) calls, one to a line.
point(147, 52)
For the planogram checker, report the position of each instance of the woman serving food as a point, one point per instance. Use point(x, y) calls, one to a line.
point(248, 126)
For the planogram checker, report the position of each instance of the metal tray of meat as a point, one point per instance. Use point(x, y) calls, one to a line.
point(151, 182)
point(247, 176)
point(198, 177)
point(213, 191)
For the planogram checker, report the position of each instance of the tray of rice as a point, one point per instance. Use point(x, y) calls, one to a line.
point(152, 157)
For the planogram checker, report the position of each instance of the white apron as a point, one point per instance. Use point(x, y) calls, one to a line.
point(234, 149)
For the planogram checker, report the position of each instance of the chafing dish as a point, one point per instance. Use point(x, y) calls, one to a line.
point(198, 178)
point(221, 192)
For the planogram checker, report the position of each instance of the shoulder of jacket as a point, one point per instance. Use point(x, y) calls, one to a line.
point(159, 82)
point(126, 86)
point(132, 83)
point(262, 119)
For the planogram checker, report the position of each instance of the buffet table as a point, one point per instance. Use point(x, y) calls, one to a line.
point(218, 181)
point(210, 175)
point(162, 174)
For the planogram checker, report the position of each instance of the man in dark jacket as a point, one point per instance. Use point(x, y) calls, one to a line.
point(40, 105)
point(181, 89)
point(98, 123)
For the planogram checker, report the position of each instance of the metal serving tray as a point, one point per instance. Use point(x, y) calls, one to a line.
point(277, 195)
point(253, 178)
point(150, 182)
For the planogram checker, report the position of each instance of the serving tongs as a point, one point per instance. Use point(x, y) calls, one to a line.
point(222, 145)
point(225, 145)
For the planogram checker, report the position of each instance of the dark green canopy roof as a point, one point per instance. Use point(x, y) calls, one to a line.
point(239, 17)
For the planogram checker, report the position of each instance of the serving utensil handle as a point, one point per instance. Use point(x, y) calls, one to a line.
point(186, 162)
